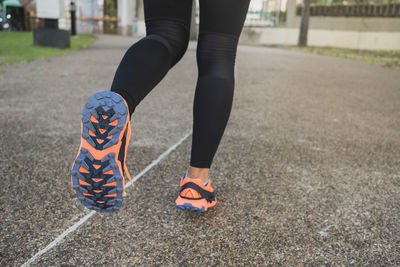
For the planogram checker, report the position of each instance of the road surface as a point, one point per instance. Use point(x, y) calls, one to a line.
point(307, 172)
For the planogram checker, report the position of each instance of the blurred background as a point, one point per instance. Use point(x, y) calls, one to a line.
point(356, 24)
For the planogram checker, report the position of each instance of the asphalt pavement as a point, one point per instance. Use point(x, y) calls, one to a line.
point(308, 172)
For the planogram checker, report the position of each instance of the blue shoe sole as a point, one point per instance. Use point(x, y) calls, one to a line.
point(113, 107)
point(188, 206)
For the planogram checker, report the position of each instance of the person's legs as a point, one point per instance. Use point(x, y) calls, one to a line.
point(99, 170)
point(221, 22)
point(148, 61)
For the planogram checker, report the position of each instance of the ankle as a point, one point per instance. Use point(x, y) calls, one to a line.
point(200, 173)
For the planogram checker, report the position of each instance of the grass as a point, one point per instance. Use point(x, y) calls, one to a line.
point(389, 59)
point(18, 47)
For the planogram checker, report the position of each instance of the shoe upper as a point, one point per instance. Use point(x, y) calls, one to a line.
point(194, 189)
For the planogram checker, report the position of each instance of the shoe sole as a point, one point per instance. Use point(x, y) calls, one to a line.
point(188, 206)
point(182, 204)
point(99, 161)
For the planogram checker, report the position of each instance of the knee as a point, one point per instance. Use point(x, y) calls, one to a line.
point(216, 54)
point(174, 35)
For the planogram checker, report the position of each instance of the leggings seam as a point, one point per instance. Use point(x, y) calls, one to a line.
point(182, 22)
point(160, 39)
point(219, 33)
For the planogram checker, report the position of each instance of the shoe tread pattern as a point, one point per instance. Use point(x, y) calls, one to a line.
point(105, 107)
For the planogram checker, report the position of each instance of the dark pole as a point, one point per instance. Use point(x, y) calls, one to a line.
point(73, 19)
point(305, 15)
point(193, 28)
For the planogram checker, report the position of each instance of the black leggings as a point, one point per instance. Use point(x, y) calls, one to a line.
point(148, 61)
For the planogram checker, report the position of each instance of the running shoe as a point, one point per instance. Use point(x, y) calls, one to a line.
point(194, 195)
point(98, 172)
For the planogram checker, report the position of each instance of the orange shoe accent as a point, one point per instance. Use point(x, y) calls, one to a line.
point(83, 183)
point(93, 119)
point(102, 130)
point(191, 193)
point(111, 184)
point(100, 141)
point(104, 116)
point(111, 195)
point(128, 175)
point(96, 166)
point(109, 172)
point(91, 133)
point(83, 170)
point(113, 123)
point(96, 180)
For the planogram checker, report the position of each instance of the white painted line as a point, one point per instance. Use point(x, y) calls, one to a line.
point(59, 238)
point(90, 214)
